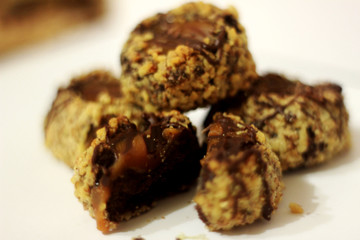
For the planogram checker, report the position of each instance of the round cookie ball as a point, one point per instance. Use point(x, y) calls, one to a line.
point(241, 178)
point(186, 58)
point(79, 109)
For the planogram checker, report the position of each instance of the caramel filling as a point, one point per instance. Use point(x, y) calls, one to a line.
point(135, 158)
point(99, 195)
point(215, 130)
point(127, 151)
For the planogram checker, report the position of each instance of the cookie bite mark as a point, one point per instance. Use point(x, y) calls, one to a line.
point(128, 167)
point(240, 180)
point(125, 150)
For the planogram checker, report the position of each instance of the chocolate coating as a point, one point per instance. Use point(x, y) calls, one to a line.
point(129, 166)
point(169, 34)
point(91, 88)
point(305, 125)
point(189, 57)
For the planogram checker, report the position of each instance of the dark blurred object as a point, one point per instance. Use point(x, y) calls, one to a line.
point(26, 21)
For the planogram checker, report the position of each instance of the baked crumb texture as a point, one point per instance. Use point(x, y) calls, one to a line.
point(186, 58)
point(79, 109)
point(127, 167)
point(27, 21)
point(241, 178)
point(305, 125)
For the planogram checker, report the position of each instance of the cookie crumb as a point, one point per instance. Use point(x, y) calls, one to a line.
point(197, 237)
point(296, 208)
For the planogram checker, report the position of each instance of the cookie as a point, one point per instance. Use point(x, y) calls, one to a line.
point(186, 58)
point(128, 167)
point(305, 125)
point(24, 22)
point(79, 109)
point(241, 179)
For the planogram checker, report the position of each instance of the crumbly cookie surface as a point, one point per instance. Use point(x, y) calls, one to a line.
point(189, 57)
point(305, 125)
point(240, 180)
point(127, 167)
point(79, 109)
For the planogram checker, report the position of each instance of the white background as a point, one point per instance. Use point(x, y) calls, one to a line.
point(312, 40)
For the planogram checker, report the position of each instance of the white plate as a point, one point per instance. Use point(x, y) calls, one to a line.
point(36, 197)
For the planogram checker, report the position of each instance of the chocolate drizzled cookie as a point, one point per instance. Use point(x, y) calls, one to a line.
point(305, 125)
point(240, 180)
point(79, 109)
point(186, 58)
point(127, 167)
